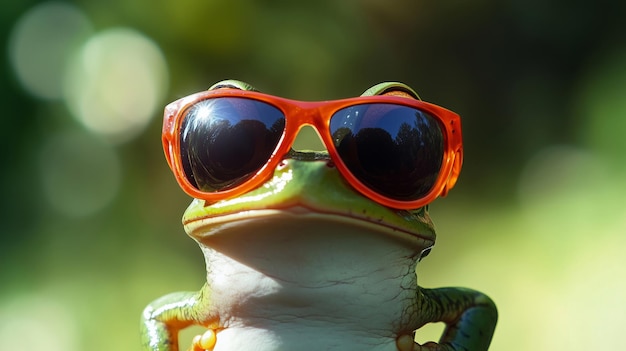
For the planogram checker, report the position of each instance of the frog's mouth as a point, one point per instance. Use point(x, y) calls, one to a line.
point(304, 219)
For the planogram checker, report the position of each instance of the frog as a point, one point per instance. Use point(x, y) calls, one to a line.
point(305, 262)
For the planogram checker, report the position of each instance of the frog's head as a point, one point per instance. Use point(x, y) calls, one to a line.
point(306, 191)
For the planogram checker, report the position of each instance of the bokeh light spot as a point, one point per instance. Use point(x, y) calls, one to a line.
point(602, 105)
point(33, 323)
point(80, 174)
point(558, 187)
point(557, 171)
point(41, 42)
point(116, 83)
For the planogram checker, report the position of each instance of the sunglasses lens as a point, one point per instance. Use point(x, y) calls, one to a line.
point(225, 141)
point(394, 150)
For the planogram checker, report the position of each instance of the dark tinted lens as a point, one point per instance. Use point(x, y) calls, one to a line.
point(224, 141)
point(395, 150)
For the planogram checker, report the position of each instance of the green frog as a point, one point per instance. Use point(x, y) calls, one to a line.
point(313, 250)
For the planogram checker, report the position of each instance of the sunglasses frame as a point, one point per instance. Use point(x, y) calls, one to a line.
point(317, 115)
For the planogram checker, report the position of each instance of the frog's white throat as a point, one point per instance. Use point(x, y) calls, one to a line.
point(308, 282)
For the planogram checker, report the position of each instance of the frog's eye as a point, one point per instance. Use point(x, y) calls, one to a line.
point(425, 253)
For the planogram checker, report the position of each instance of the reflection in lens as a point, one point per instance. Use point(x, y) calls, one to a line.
point(395, 150)
point(224, 141)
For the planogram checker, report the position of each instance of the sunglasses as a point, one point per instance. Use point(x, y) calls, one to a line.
point(399, 152)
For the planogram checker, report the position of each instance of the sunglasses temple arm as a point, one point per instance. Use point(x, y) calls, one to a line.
point(457, 161)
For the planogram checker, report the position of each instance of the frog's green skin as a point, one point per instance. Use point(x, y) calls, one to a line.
point(306, 263)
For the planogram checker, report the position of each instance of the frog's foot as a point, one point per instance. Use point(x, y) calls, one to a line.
point(204, 342)
point(407, 343)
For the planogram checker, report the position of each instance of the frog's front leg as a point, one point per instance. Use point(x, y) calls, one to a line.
point(470, 318)
point(165, 317)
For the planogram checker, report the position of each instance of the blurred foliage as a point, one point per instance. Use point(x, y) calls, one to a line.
point(540, 86)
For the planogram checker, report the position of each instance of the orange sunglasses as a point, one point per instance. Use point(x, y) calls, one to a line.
point(400, 152)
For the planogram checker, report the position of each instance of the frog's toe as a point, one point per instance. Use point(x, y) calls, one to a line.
point(406, 343)
point(204, 342)
point(195, 344)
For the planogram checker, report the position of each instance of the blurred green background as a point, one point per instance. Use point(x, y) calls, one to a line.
point(90, 215)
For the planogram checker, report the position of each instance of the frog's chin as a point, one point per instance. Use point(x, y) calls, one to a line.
point(302, 218)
